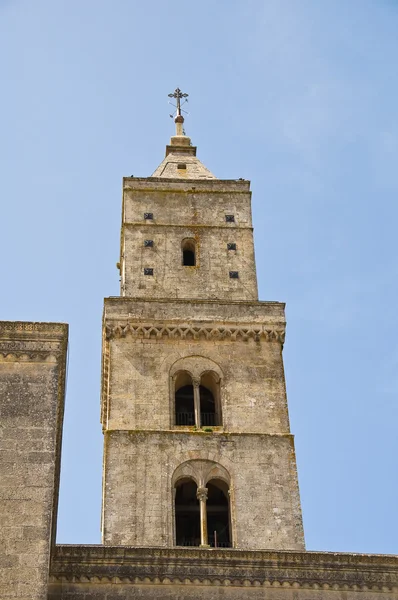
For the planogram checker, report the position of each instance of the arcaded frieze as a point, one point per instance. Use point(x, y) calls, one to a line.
point(311, 570)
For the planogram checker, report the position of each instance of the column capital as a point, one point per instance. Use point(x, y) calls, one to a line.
point(201, 494)
point(196, 381)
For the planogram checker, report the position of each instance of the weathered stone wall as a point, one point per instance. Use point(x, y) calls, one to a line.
point(83, 573)
point(195, 210)
point(32, 374)
point(242, 340)
point(139, 501)
point(252, 390)
point(143, 446)
point(196, 320)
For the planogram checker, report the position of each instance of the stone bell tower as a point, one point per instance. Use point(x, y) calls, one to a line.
point(197, 445)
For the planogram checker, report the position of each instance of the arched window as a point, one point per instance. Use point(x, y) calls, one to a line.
point(188, 247)
point(202, 513)
point(187, 513)
point(195, 393)
point(184, 400)
point(218, 514)
point(210, 406)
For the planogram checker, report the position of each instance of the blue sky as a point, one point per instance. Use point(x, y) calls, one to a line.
point(298, 97)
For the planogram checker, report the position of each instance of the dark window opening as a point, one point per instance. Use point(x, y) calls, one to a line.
point(185, 406)
point(148, 243)
point(234, 274)
point(188, 258)
point(231, 246)
point(208, 416)
point(218, 518)
point(181, 166)
point(188, 253)
point(148, 216)
point(230, 218)
point(187, 514)
point(148, 271)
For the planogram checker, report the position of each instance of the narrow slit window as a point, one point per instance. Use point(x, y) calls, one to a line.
point(188, 253)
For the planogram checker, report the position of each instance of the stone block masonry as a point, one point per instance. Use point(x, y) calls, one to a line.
point(32, 385)
point(116, 573)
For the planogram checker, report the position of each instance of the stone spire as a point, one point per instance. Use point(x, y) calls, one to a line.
point(180, 161)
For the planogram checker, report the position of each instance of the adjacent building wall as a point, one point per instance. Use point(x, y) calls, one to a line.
point(32, 385)
point(106, 573)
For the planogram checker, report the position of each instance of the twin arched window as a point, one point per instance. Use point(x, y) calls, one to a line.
point(202, 514)
point(197, 400)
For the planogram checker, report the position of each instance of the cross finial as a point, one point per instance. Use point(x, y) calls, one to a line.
point(177, 94)
point(178, 119)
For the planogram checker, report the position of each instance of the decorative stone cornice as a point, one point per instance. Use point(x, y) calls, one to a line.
point(25, 341)
point(29, 328)
point(183, 566)
point(196, 331)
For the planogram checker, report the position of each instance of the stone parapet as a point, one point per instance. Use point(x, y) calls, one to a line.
point(201, 573)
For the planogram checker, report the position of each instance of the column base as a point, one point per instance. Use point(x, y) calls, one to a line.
point(204, 546)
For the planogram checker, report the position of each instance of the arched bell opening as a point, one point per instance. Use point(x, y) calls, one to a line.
point(184, 400)
point(209, 391)
point(187, 513)
point(188, 248)
point(218, 514)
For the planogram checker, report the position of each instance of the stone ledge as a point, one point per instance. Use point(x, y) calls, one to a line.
point(262, 304)
point(26, 340)
point(187, 566)
point(209, 313)
point(170, 184)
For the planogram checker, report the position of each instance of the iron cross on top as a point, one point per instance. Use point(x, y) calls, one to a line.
point(177, 94)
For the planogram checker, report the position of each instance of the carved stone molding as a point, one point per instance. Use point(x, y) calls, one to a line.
point(24, 341)
point(29, 350)
point(182, 566)
point(24, 356)
point(197, 331)
point(28, 327)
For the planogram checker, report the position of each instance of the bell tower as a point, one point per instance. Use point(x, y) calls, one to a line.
point(197, 444)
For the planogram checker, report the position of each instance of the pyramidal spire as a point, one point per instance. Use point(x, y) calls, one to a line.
point(180, 161)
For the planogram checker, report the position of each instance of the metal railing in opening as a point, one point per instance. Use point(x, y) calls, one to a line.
point(188, 418)
point(208, 419)
point(189, 542)
point(215, 542)
point(185, 418)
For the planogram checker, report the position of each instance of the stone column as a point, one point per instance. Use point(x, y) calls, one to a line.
point(201, 494)
point(196, 400)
